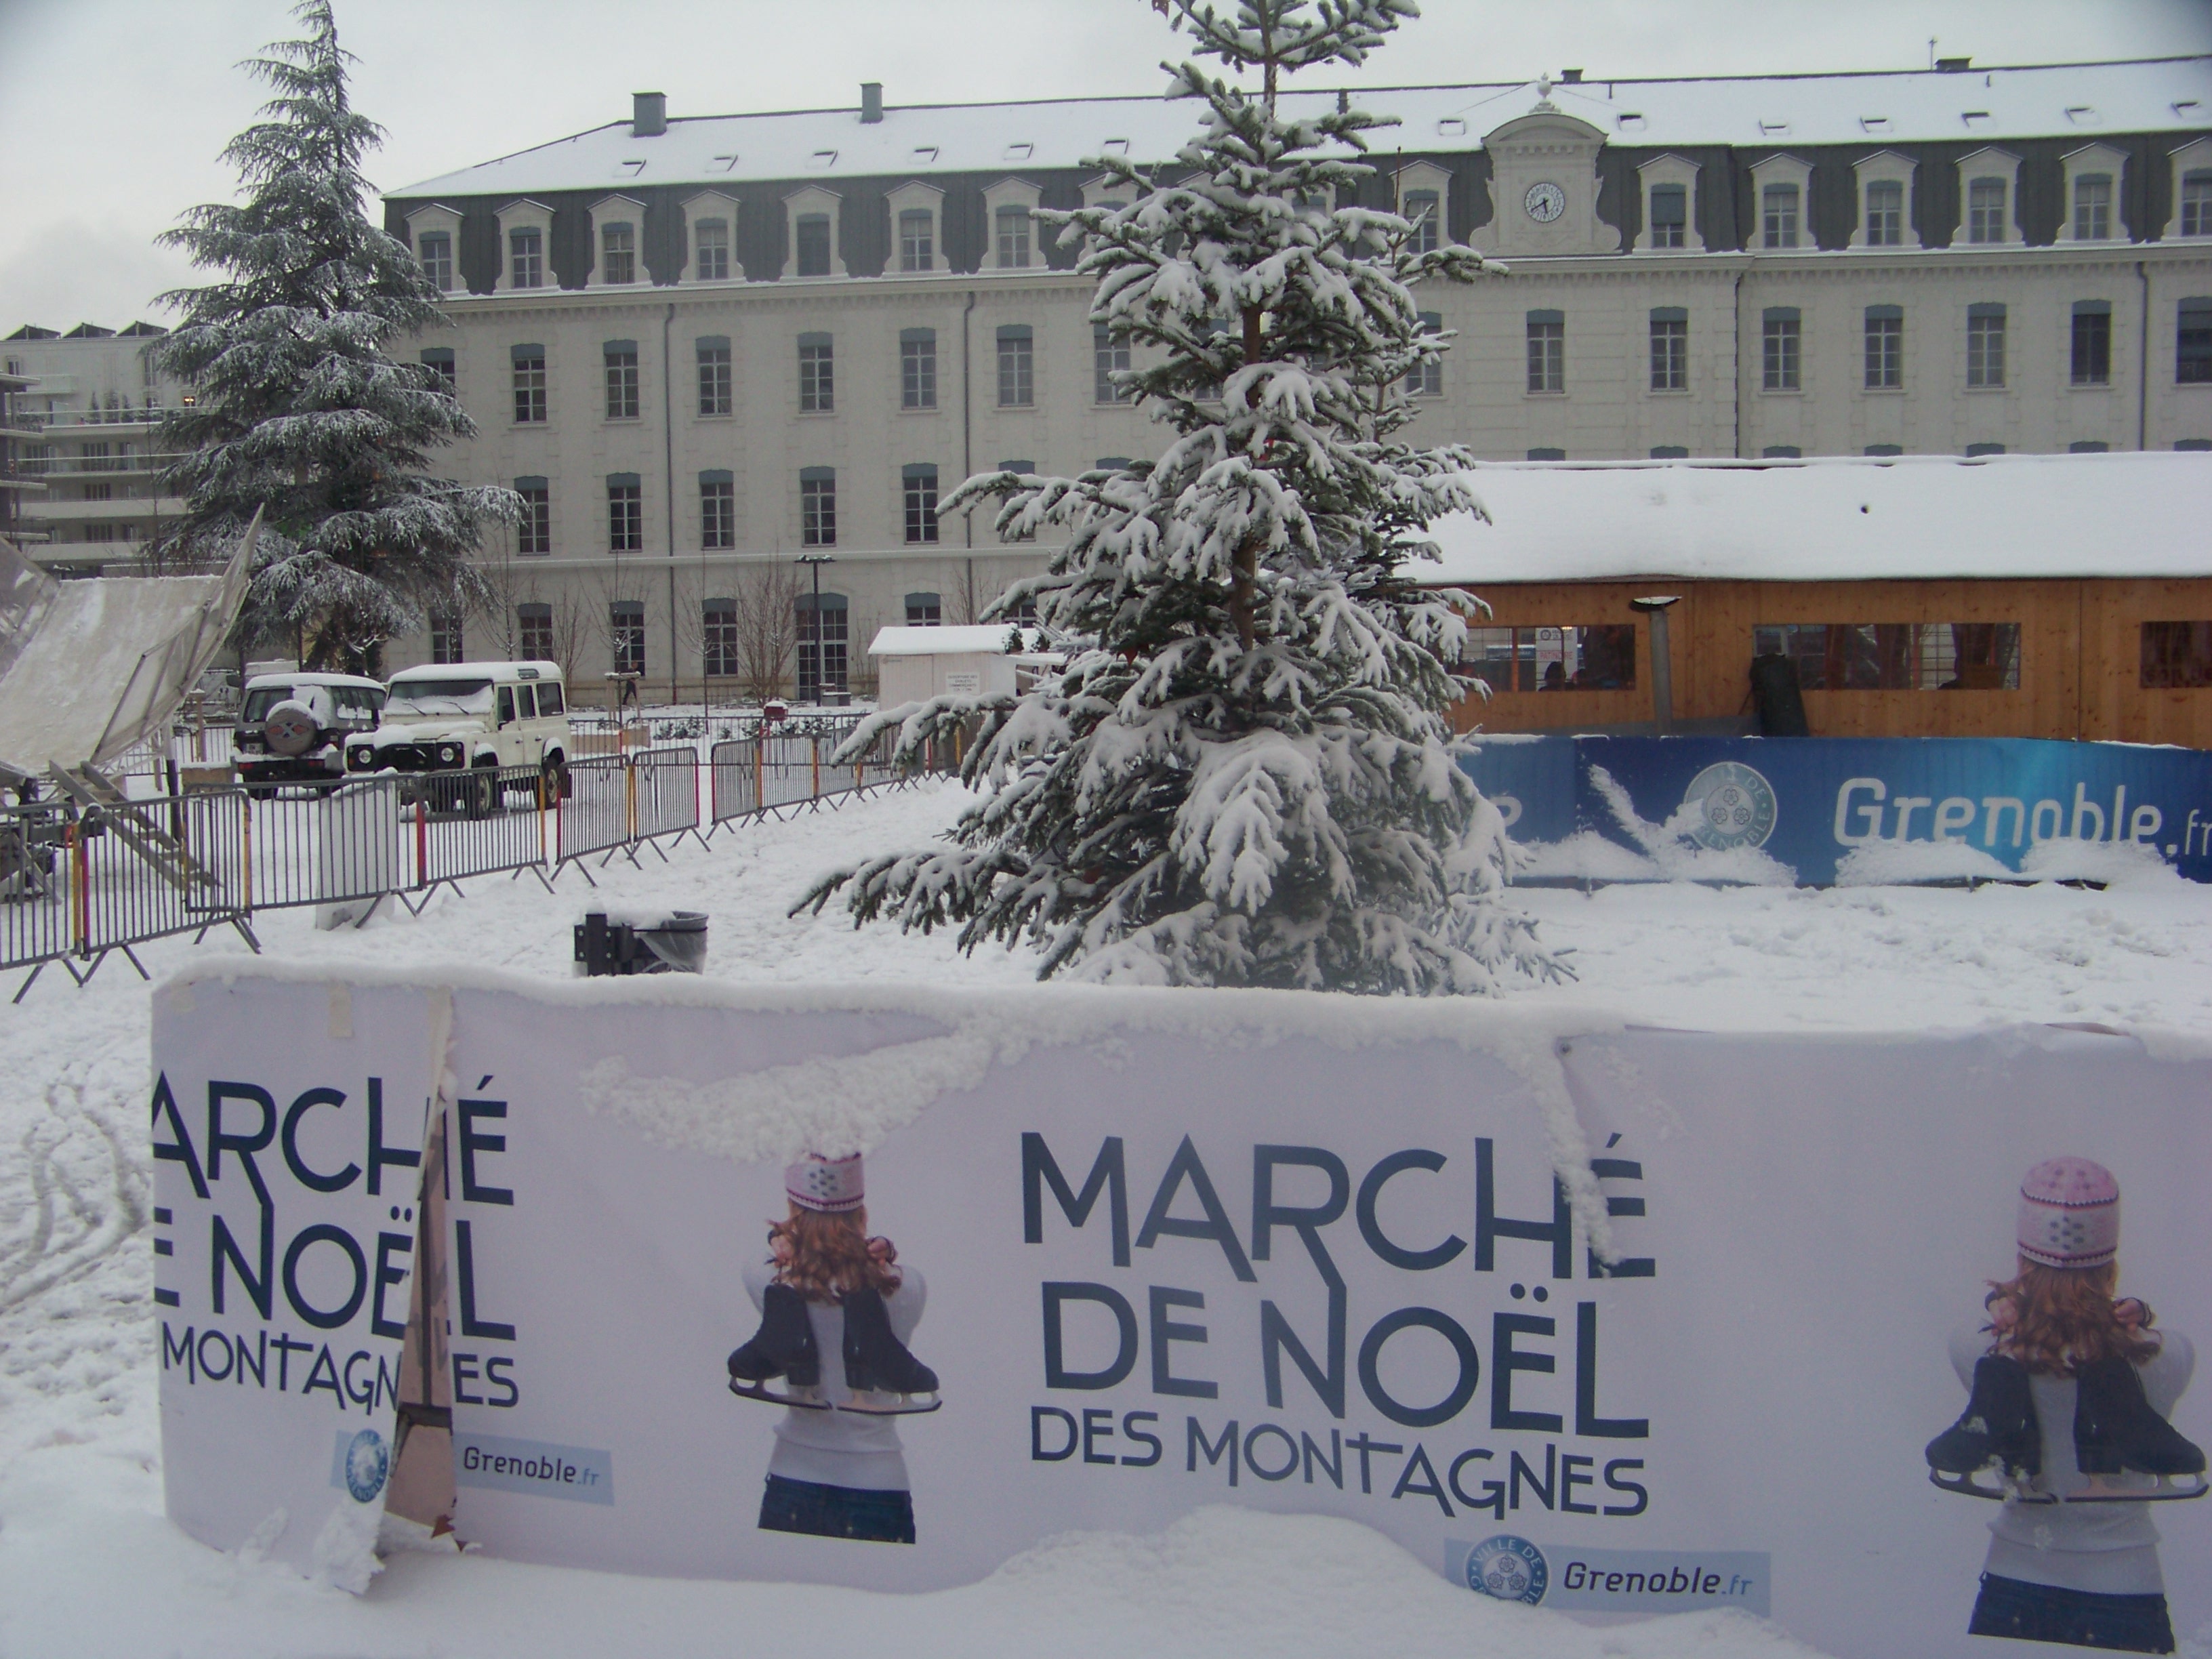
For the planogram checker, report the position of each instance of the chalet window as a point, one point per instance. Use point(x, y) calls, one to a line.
point(1986, 345)
point(529, 384)
point(917, 368)
point(717, 509)
point(1596, 659)
point(1014, 238)
point(525, 257)
point(533, 531)
point(621, 356)
point(1779, 343)
point(2092, 342)
point(435, 251)
point(712, 240)
point(916, 240)
point(2093, 208)
point(817, 505)
point(813, 233)
point(1422, 211)
point(1985, 210)
point(1670, 349)
point(1885, 213)
point(714, 375)
point(919, 488)
point(1896, 656)
point(625, 514)
point(618, 254)
point(1778, 215)
point(1670, 215)
point(1017, 376)
point(2177, 655)
point(817, 376)
point(1884, 348)
point(718, 638)
point(1547, 351)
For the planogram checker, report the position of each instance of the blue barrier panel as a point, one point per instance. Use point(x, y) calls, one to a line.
point(1821, 811)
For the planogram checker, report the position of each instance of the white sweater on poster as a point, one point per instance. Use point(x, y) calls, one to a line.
point(2111, 1549)
point(853, 1450)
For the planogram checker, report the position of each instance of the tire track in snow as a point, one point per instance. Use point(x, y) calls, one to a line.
point(87, 1196)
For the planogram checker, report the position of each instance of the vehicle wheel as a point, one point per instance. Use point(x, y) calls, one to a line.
point(446, 792)
point(558, 785)
point(481, 795)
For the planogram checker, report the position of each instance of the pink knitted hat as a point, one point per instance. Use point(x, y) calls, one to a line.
point(831, 1185)
point(2069, 1213)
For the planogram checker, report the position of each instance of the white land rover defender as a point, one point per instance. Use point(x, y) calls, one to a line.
point(293, 728)
point(473, 718)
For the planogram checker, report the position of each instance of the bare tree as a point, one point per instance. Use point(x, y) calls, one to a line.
point(504, 580)
point(965, 601)
point(768, 628)
point(572, 631)
point(861, 677)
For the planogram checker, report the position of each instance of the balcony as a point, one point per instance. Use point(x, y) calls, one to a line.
point(54, 510)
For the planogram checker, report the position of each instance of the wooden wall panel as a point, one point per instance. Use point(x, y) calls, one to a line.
point(2081, 654)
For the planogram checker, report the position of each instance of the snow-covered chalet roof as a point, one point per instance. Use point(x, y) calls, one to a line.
point(2001, 516)
point(1770, 112)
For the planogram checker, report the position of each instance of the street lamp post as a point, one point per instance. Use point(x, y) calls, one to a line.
point(816, 561)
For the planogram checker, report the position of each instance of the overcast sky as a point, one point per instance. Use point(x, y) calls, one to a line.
point(113, 111)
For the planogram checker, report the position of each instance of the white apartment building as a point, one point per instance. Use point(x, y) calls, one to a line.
point(87, 418)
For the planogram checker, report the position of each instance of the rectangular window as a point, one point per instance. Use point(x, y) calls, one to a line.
point(816, 381)
point(1427, 378)
point(440, 358)
point(812, 230)
point(626, 634)
point(434, 249)
point(924, 609)
point(717, 510)
point(1896, 656)
point(818, 507)
point(1986, 345)
point(1424, 209)
point(618, 253)
point(533, 531)
point(917, 368)
point(1670, 215)
point(621, 379)
point(1779, 343)
point(1108, 357)
point(1016, 382)
point(1670, 349)
point(2091, 354)
point(1884, 348)
point(1547, 351)
point(625, 514)
point(821, 646)
point(920, 499)
point(446, 644)
point(534, 631)
point(99, 492)
point(916, 241)
point(1885, 213)
point(718, 639)
point(1013, 224)
point(714, 390)
point(711, 244)
point(2177, 655)
point(525, 257)
point(2093, 208)
point(1778, 215)
point(1600, 658)
point(2192, 342)
point(529, 384)
point(2197, 204)
point(1985, 210)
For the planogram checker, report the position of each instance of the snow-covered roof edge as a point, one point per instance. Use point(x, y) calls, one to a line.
point(2017, 517)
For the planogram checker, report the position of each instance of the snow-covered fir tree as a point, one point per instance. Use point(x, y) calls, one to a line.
point(1245, 773)
point(297, 409)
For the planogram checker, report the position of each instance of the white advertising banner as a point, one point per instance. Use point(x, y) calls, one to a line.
point(287, 1124)
point(1161, 1250)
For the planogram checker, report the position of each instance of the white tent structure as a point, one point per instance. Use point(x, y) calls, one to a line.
point(88, 668)
point(917, 663)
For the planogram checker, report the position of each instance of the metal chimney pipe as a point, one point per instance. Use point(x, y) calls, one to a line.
point(648, 114)
point(871, 102)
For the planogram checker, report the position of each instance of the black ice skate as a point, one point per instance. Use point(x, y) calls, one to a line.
point(885, 1378)
point(1997, 1427)
point(783, 1347)
point(2116, 1433)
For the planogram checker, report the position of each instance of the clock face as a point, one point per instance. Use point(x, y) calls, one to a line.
point(1545, 203)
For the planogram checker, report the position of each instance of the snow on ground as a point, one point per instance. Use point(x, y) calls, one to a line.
point(89, 1567)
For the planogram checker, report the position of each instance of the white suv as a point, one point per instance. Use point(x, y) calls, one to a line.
point(471, 717)
point(293, 728)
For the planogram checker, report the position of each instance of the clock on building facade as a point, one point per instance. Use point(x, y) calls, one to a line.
point(1545, 203)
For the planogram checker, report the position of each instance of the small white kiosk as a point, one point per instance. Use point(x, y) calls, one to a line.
point(918, 663)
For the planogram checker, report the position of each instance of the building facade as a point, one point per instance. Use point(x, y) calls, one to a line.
point(87, 418)
point(705, 349)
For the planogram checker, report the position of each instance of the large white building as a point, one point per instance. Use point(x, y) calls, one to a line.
point(87, 414)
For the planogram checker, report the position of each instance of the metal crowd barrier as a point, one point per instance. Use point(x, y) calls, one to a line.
point(79, 883)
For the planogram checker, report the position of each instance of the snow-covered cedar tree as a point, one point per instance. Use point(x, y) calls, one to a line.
point(1244, 774)
point(298, 408)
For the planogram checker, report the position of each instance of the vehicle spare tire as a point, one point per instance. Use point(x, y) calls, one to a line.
point(290, 729)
